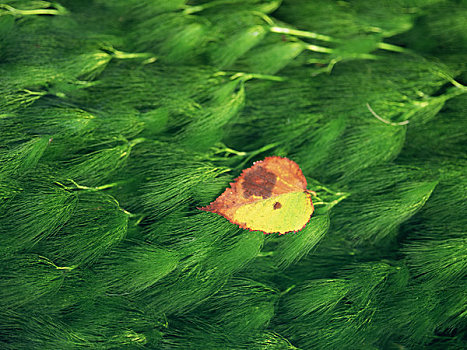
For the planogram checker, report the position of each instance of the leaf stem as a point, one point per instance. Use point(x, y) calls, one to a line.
point(50, 262)
point(59, 10)
point(81, 187)
point(390, 47)
point(35, 93)
point(230, 150)
point(287, 290)
point(248, 76)
point(316, 48)
point(302, 33)
point(327, 38)
point(121, 55)
point(405, 122)
point(256, 152)
point(452, 81)
point(338, 200)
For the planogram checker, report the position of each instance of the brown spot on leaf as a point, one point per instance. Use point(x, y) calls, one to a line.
point(277, 205)
point(258, 182)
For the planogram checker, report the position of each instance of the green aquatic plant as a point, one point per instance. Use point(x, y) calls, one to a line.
point(118, 119)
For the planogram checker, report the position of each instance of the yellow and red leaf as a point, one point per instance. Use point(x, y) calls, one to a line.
point(270, 196)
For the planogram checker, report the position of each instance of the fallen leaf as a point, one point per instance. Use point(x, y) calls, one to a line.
point(270, 196)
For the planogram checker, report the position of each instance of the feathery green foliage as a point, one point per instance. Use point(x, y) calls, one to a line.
point(118, 119)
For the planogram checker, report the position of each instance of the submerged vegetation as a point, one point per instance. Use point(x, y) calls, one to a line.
point(119, 118)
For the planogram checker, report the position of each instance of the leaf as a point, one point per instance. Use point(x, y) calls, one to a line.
point(241, 305)
point(271, 58)
point(379, 218)
point(207, 129)
point(22, 158)
point(227, 52)
point(97, 224)
point(295, 247)
point(25, 278)
point(130, 269)
point(270, 196)
point(33, 215)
